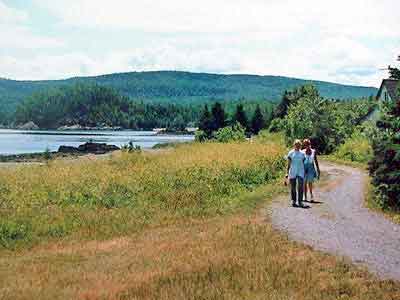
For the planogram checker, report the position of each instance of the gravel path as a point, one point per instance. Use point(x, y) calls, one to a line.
point(340, 224)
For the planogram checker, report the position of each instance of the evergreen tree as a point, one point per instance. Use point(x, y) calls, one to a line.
point(385, 165)
point(281, 109)
point(258, 121)
point(240, 117)
point(290, 98)
point(394, 72)
point(218, 116)
point(205, 122)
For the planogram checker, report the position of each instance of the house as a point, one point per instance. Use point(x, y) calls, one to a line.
point(388, 90)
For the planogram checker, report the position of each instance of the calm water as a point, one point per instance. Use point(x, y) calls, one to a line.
point(20, 141)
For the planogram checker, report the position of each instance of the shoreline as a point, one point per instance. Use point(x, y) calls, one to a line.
point(95, 129)
point(40, 157)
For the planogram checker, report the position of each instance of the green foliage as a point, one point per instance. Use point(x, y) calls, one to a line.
point(234, 133)
point(327, 123)
point(177, 88)
point(355, 149)
point(47, 154)
point(205, 123)
point(201, 136)
point(310, 117)
point(385, 165)
point(212, 121)
point(277, 125)
point(257, 122)
point(240, 117)
point(97, 106)
point(218, 117)
point(290, 98)
point(11, 231)
point(395, 72)
point(130, 147)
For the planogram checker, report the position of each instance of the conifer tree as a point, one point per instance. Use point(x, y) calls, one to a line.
point(258, 121)
point(218, 116)
point(240, 117)
point(394, 72)
point(385, 165)
point(205, 122)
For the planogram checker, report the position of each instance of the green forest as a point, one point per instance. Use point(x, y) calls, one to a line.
point(168, 87)
point(99, 106)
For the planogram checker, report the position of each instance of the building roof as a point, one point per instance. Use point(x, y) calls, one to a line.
point(391, 87)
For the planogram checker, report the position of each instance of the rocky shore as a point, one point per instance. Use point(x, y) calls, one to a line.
point(63, 152)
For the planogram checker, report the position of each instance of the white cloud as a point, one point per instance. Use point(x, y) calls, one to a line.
point(16, 35)
point(355, 17)
point(341, 41)
point(10, 15)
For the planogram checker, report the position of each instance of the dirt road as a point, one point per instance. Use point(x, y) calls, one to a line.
point(341, 224)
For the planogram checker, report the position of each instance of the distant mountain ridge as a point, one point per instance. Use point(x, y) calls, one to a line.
point(181, 87)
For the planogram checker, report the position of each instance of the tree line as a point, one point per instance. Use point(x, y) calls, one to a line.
point(212, 120)
point(100, 106)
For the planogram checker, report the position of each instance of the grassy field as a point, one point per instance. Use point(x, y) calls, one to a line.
point(129, 191)
point(180, 223)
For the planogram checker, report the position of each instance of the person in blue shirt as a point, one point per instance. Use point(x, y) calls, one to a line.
point(295, 173)
point(311, 168)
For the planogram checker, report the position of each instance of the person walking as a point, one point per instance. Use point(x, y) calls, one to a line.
point(295, 173)
point(311, 169)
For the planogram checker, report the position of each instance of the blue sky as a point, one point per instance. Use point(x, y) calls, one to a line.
point(340, 41)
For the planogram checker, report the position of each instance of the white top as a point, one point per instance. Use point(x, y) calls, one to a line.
point(297, 163)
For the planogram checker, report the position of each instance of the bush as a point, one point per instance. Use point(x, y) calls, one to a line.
point(235, 133)
point(130, 147)
point(357, 149)
point(201, 136)
point(277, 125)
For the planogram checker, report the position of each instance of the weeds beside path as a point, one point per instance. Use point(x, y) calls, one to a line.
point(341, 224)
point(231, 253)
point(230, 257)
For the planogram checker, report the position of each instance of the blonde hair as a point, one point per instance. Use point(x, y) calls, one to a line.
point(297, 142)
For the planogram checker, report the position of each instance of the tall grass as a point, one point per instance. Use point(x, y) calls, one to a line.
point(356, 149)
point(102, 198)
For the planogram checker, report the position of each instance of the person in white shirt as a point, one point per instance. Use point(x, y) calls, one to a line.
point(311, 168)
point(295, 173)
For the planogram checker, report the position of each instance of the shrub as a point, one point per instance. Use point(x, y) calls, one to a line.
point(130, 147)
point(277, 125)
point(47, 154)
point(201, 136)
point(357, 149)
point(12, 231)
point(235, 133)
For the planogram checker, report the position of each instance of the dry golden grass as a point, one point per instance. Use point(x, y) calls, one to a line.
point(182, 249)
point(231, 257)
point(127, 192)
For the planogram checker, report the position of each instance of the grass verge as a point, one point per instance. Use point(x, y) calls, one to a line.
point(227, 253)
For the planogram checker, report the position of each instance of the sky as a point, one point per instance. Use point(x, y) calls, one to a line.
point(343, 41)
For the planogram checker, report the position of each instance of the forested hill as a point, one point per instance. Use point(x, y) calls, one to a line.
point(181, 87)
